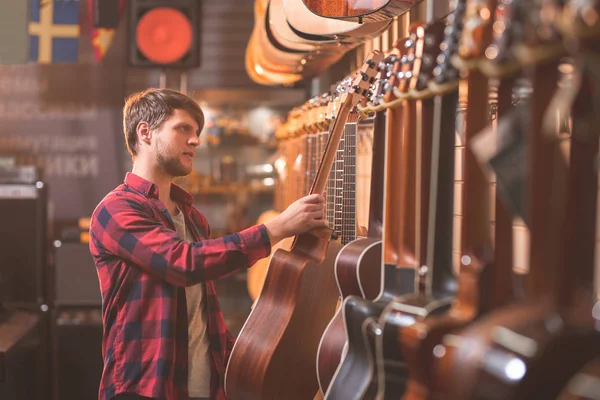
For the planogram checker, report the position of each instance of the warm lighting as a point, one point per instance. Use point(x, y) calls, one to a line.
point(439, 351)
point(499, 27)
point(515, 369)
point(485, 14)
point(258, 69)
point(268, 181)
point(491, 52)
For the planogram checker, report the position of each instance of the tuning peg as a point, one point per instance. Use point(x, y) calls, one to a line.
point(364, 76)
point(356, 89)
point(381, 65)
point(370, 63)
point(365, 93)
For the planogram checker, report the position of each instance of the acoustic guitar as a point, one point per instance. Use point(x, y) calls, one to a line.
point(311, 26)
point(511, 352)
point(356, 372)
point(420, 336)
point(280, 337)
point(435, 285)
point(302, 179)
point(360, 11)
point(357, 266)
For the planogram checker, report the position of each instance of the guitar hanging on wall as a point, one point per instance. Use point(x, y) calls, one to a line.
point(298, 297)
point(359, 11)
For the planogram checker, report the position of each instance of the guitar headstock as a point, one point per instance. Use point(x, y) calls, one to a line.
point(444, 71)
point(364, 78)
point(401, 67)
point(429, 40)
point(408, 59)
point(383, 79)
point(477, 31)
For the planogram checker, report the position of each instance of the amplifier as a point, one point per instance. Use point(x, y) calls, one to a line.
point(23, 355)
point(77, 353)
point(76, 280)
point(24, 237)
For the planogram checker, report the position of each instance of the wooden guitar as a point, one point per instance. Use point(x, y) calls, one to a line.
point(356, 372)
point(298, 297)
point(360, 11)
point(357, 266)
point(511, 352)
point(435, 285)
point(420, 336)
point(311, 26)
point(303, 178)
point(269, 62)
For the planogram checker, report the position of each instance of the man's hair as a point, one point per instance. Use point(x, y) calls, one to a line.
point(155, 106)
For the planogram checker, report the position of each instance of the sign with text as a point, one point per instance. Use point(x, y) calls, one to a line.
point(65, 119)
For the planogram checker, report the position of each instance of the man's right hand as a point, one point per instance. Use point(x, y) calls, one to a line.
point(304, 214)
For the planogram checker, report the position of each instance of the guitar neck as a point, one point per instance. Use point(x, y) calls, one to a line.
point(476, 242)
point(576, 271)
point(377, 176)
point(329, 155)
point(441, 196)
point(338, 184)
point(349, 181)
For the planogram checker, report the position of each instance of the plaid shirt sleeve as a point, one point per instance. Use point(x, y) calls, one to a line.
point(127, 229)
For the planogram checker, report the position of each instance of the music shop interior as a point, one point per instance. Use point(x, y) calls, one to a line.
point(299, 199)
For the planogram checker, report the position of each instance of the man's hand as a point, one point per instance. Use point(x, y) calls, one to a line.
point(302, 215)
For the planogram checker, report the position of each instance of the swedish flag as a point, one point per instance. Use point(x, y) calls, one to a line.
point(54, 31)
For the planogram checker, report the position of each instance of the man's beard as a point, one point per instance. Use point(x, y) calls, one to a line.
point(171, 165)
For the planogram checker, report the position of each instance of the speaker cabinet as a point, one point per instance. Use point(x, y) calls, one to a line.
point(77, 352)
point(23, 239)
point(164, 33)
point(76, 279)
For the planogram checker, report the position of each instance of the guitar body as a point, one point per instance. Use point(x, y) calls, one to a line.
point(271, 63)
point(532, 360)
point(357, 262)
point(285, 35)
point(361, 11)
point(392, 367)
point(301, 291)
point(275, 354)
point(311, 26)
point(256, 274)
point(356, 372)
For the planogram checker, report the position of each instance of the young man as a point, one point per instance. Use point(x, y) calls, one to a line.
point(164, 333)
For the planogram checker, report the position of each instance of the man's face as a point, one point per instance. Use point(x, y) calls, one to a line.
point(176, 142)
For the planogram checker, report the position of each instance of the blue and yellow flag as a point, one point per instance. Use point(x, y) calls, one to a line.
point(54, 31)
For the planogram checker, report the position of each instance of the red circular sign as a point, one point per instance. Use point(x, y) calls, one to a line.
point(164, 35)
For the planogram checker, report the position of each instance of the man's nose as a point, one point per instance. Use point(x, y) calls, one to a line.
point(194, 141)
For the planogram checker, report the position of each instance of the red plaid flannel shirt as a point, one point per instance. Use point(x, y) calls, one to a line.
point(143, 268)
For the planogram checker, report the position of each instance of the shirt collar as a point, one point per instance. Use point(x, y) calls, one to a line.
point(150, 189)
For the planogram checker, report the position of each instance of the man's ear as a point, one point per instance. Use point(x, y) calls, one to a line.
point(144, 132)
